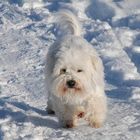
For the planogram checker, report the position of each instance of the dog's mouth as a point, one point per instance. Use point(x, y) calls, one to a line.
point(65, 89)
point(70, 88)
point(74, 89)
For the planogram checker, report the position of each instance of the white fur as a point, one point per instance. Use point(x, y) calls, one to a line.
point(67, 24)
point(73, 53)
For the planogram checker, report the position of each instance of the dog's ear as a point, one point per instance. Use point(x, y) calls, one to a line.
point(49, 64)
point(98, 70)
point(97, 63)
point(94, 62)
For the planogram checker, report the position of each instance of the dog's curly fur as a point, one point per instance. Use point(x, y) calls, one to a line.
point(72, 58)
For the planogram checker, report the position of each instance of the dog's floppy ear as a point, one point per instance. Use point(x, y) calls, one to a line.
point(97, 63)
point(94, 62)
point(98, 70)
point(49, 64)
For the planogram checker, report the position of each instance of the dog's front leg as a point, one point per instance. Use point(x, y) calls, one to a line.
point(97, 109)
point(66, 115)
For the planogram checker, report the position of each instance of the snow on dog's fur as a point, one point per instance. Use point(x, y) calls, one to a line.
point(74, 76)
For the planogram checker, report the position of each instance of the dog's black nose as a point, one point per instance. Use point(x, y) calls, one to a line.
point(71, 83)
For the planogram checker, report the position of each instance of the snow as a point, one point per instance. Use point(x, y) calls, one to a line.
point(26, 32)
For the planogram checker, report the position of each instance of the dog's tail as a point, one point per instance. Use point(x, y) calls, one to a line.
point(67, 24)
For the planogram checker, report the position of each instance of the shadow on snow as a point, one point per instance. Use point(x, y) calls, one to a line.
point(24, 114)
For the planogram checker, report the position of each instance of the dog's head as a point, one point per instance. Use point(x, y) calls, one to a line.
point(74, 74)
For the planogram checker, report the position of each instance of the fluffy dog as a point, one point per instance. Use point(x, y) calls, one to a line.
point(74, 76)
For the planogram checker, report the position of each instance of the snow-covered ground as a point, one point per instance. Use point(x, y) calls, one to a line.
point(26, 33)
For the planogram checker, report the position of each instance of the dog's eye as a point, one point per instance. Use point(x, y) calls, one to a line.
point(79, 70)
point(62, 71)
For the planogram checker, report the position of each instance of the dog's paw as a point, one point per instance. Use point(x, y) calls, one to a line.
point(95, 124)
point(50, 111)
point(69, 124)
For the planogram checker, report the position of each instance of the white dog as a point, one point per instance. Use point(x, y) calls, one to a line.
point(74, 76)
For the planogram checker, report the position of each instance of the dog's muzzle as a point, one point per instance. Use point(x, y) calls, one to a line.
point(71, 83)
